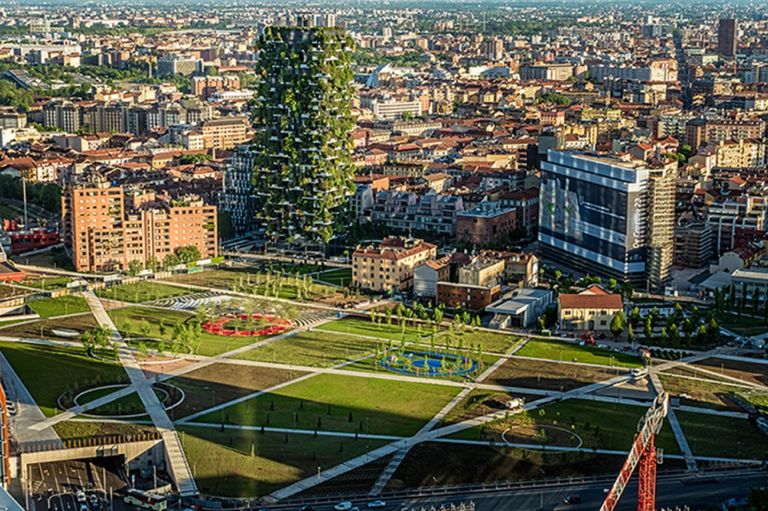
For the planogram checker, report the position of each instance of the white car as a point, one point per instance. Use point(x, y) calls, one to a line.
point(343, 506)
point(376, 504)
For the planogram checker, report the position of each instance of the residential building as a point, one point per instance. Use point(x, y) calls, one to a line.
point(485, 224)
point(237, 196)
point(303, 168)
point(390, 265)
point(693, 244)
point(224, 133)
point(590, 310)
point(727, 37)
point(106, 233)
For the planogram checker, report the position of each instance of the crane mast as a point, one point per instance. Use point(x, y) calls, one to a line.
point(643, 453)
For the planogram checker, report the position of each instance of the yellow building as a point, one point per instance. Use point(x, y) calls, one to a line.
point(389, 267)
point(592, 309)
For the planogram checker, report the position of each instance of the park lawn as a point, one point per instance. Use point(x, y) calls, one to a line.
point(336, 276)
point(729, 437)
point(744, 325)
point(49, 371)
point(142, 291)
point(377, 406)
point(600, 425)
point(702, 393)
point(382, 331)
point(568, 352)
point(45, 282)
point(313, 348)
point(222, 463)
point(136, 323)
point(222, 382)
point(50, 307)
point(249, 282)
point(44, 328)
point(79, 430)
point(490, 342)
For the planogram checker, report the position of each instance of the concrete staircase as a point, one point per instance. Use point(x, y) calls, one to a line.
point(178, 465)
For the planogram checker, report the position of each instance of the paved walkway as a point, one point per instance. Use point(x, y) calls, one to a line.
point(27, 411)
point(177, 462)
point(682, 441)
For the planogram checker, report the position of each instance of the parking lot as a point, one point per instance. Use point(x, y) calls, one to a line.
point(79, 485)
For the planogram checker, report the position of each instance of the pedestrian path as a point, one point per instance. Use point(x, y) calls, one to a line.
point(682, 441)
point(176, 462)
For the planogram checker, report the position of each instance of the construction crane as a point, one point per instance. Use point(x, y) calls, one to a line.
point(643, 453)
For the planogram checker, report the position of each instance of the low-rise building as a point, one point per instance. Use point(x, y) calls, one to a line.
point(485, 224)
point(390, 265)
point(592, 309)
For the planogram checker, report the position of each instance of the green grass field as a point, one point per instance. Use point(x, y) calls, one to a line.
point(140, 322)
point(712, 435)
point(313, 349)
point(381, 331)
point(491, 342)
point(600, 425)
point(49, 371)
point(45, 282)
point(44, 328)
point(337, 276)
point(252, 282)
point(376, 406)
point(234, 463)
point(143, 291)
point(567, 352)
point(50, 307)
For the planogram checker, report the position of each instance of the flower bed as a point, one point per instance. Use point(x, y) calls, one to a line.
point(221, 325)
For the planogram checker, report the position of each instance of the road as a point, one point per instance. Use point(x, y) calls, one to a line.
point(676, 491)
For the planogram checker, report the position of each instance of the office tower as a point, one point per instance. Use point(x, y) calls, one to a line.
point(608, 217)
point(726, 37)
point(303, 173)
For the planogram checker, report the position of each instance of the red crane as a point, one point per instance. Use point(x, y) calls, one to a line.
point(643, 453)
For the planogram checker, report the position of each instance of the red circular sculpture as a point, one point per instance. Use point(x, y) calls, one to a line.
point(217, 326)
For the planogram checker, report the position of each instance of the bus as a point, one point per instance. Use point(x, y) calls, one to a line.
point(146, 500)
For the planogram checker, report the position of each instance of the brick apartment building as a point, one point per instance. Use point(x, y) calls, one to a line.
point(105, 233)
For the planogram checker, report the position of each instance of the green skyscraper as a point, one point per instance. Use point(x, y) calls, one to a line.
point(303, 172)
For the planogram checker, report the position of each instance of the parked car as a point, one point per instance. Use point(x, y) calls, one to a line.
point(343, 506)
point(572, 499)
point(376, 504)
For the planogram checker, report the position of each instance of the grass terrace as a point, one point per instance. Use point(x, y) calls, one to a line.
point(234, 463)
point(569, 352)
point(342, 403)
point(314, 349)
point(61, 306)
point(336, 276)
point(45, 282)
point(362, 327)
point(49, 371)
point(712, 435)
point(142, 291)
point(153, 328)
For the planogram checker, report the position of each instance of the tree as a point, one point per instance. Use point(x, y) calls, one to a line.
point(134, 267)
point(188, 254)
point(618, 324)
point(630, 333)
point(648, 329)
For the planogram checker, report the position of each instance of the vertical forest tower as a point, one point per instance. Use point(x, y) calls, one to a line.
point(303, 172)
